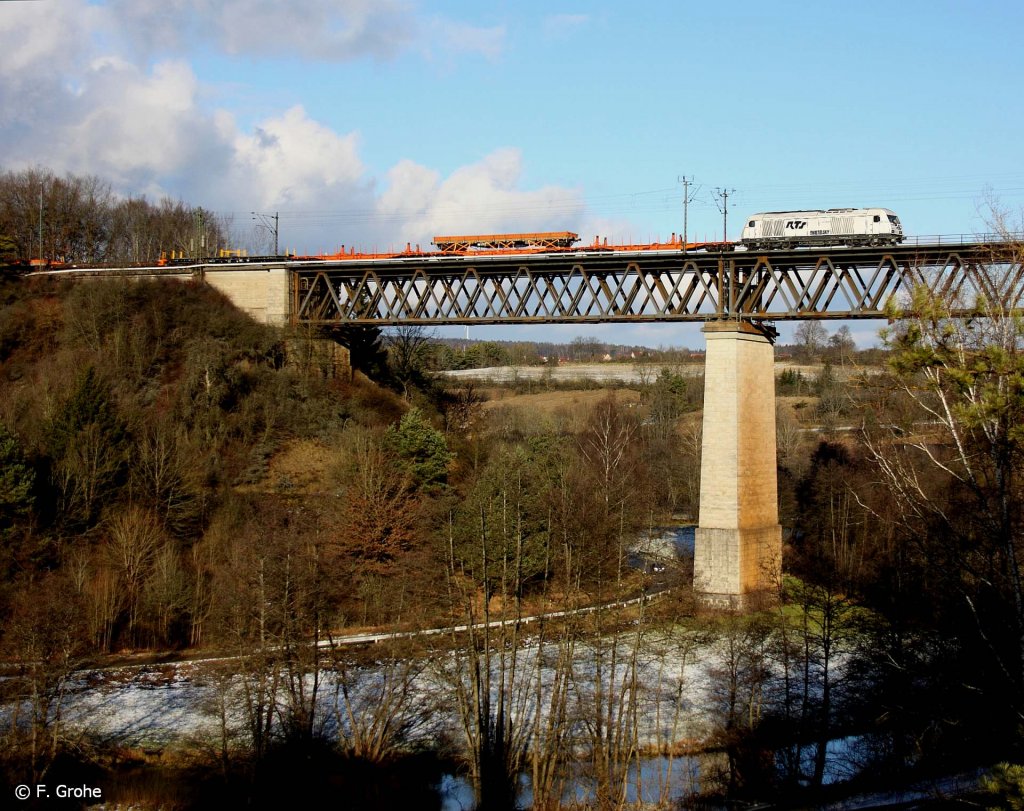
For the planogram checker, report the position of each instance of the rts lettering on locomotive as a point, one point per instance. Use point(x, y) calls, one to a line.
point(773, 230)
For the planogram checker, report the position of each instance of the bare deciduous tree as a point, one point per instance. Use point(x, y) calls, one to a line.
point(43, 636)
point(133, 545)
point(958, 356)
point(78, 219)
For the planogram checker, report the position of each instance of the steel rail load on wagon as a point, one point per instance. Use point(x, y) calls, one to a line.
point(546, 239)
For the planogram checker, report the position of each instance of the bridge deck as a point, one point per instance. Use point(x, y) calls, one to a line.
point(590, 286)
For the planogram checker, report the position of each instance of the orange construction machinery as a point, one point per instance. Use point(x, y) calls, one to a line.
point(545, 240)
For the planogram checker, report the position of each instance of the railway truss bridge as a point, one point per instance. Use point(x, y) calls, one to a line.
point(591, 286)
point(736, 294)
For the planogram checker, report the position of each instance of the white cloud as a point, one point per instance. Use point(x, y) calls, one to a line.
point(483, 197)
point(127, 126)
point(321, 30)
point(42, 45)
point(293, 161)
point(41, 37)
point(410, 192)
point(326, 30)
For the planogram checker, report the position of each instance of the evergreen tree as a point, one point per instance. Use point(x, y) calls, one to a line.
point(89, 449)
point(422, 449)
point(16, 479)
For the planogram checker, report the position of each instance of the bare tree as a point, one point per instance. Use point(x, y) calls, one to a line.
point(958, 356)
point(378, 525)
point(407, 355)
point(133, 544)
point(163, 475)
point(789, 437)
point(738, 698)
point(375, 707)
point(810, 338)
point(610, 454)
point(43, 637)
point(498, 542)
point(78, 219)
point(841, 345)
point(608, 686)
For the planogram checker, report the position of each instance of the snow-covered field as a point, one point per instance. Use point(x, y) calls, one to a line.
point(179, 704)
point(665, 684)
point(146, 706)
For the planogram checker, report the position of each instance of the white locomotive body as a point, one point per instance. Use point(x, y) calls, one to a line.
point(837, 226)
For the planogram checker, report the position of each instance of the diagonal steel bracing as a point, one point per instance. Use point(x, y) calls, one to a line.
point(592, 286)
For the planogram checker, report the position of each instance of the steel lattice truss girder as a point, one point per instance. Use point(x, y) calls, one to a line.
point(594, 287)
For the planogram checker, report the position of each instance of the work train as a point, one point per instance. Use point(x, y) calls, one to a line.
point(770, 230)
point(837, 226)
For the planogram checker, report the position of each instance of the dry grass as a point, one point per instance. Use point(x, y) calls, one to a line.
point(802, 408)
point(551, 411)
point(551, 402)
point(302, 465)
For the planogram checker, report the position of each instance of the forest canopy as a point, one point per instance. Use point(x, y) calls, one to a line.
point(78, 219)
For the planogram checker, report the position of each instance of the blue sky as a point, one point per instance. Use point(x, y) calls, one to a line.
point(376, 123)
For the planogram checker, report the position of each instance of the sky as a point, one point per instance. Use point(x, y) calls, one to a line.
point(376, 123)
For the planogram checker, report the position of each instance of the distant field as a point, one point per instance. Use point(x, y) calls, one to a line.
point(600, 372)
point(626, 373)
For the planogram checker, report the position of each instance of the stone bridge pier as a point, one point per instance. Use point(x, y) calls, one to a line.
point(738, 550)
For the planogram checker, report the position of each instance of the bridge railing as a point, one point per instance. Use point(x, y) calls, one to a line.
point(963, 239)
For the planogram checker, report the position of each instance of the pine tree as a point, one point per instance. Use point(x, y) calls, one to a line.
point(16, 479)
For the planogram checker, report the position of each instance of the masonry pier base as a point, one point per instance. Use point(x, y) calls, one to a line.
point(738, 550)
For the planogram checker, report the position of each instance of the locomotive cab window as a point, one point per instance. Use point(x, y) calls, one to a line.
point(876, 218)
point(751, 224)
point(894, 220)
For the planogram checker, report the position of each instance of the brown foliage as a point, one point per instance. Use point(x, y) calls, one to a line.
point(381, 508)
point(82, 221)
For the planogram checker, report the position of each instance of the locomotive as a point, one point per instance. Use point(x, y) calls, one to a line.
point(836, 226)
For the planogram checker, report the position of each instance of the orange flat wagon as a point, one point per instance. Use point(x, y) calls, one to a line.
point(499, 242)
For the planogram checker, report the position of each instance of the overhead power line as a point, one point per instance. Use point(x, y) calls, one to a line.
point(655, 201)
